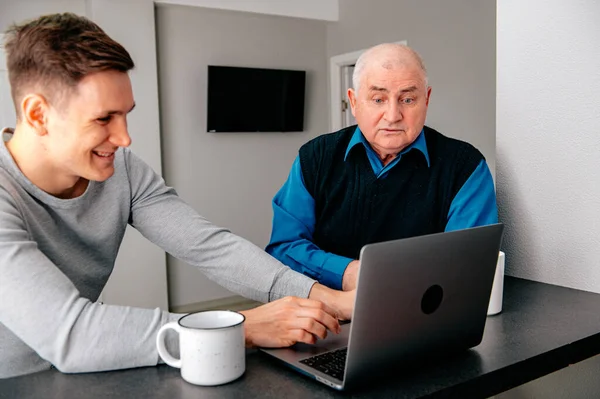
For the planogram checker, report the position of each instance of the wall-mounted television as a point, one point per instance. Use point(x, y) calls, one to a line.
point(255, 99)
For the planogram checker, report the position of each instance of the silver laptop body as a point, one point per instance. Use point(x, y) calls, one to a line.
point(415, 297)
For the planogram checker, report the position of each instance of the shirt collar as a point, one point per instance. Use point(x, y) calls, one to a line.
point(419, 144)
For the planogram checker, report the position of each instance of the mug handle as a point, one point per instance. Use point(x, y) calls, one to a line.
point(162, 348)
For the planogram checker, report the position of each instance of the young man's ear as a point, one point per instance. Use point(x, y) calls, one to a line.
point(34, 109)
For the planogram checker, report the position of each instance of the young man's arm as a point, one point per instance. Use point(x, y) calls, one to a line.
point(231, 261)
point(41, 307)
point(42, 310)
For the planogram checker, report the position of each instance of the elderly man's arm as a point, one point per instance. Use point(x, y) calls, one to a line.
point(475, 203)
point(292, 234)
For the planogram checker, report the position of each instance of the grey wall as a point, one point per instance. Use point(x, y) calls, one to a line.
point(140, 275)
point(456, 40)
point(230, 178)
point(18, 11)
point(547, 149)
point(15, 12)
point(139, 278)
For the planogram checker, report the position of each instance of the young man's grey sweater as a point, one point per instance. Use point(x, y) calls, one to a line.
point(56, 256)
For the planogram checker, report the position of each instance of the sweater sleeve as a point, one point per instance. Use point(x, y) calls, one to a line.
point(231, 261)
point(43, 308)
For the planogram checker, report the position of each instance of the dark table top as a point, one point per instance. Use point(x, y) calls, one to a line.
point(542, 328)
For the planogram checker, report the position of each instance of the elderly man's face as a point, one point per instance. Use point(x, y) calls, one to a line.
point(390, 107)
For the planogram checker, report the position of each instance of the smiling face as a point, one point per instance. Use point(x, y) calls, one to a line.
point(390, 105)
point(90, 125)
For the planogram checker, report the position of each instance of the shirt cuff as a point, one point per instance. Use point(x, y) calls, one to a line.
point(333, 271)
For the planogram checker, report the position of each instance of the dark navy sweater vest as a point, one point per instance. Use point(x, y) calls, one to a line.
point(354, 208)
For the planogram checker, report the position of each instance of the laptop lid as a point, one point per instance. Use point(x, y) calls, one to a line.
point(422, 296)
point(415, 297)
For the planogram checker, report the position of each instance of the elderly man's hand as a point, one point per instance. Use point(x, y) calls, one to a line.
point(289, 320)
point(341, 302)
point(350, 276)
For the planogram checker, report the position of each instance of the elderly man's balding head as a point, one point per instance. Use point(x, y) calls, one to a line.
point(387, 56)
point(390, 98)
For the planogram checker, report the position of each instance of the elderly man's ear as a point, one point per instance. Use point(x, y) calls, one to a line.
point(352, 100)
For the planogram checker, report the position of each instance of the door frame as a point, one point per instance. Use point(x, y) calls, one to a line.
point(336, 63)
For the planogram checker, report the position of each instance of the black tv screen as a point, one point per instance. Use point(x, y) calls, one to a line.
point(255, 99)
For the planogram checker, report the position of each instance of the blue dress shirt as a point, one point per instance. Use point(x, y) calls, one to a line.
point(294, 216)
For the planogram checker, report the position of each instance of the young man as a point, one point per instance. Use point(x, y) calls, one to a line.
point(68, 188)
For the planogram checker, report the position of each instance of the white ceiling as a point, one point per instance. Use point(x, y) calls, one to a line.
point(326, 10)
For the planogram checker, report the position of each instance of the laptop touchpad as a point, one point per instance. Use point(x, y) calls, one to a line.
point(333, 341)
point(301, 351)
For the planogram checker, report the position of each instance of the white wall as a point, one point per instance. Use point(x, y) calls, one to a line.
point(230, 178)
point(456, 40)
point(548, 125)
point(139, 278)
point(548, 139)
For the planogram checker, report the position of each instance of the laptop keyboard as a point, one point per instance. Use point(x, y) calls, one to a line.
point(331, 363)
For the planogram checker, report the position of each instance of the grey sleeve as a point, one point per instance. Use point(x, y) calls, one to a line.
point(231, 261)
point(42, 307)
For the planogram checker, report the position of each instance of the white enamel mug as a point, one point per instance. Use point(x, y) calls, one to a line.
point(211, 344)
point(497, 295)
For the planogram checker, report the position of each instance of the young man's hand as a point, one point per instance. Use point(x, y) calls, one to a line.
point(289, 320)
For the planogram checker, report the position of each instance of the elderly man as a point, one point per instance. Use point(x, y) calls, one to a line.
point(390, 177)
point(68, 188)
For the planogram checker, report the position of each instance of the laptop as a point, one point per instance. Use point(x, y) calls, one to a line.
point(416, 297)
